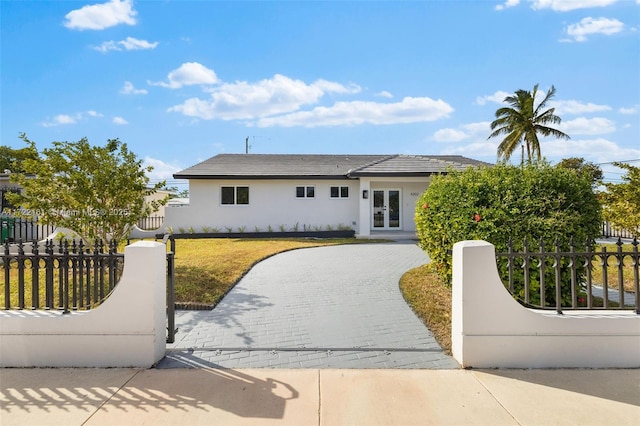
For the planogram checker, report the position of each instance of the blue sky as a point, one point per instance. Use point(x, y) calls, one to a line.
point(181, 81)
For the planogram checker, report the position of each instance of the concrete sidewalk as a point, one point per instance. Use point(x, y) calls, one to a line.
point(208, 396)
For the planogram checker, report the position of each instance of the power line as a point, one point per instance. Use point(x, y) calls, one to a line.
point(624, 161)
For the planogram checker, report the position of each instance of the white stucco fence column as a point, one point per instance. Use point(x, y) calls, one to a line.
point(127, 330)
point(491, 330)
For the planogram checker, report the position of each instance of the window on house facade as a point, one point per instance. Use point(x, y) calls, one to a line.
point(339, 192)
point(234, 195)
point(305, 191)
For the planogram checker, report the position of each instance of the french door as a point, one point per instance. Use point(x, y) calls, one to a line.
point(386, 209)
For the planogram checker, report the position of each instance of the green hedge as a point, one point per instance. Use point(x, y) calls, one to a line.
point(502, 202)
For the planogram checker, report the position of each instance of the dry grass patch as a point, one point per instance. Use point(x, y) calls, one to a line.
point(430, 299)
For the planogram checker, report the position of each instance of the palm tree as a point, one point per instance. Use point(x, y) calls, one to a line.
point(521, 123)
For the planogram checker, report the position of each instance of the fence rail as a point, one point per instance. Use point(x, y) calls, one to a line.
point(150, 223)
point(17, 229)
point(567, 279)
point(65, 276)
point(608, 231)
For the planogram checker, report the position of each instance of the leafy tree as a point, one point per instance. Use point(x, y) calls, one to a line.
point(98, 192)
point(522, 122)
point(587, 169)
point(505, 202)
point(621, 201)
point(12, 159)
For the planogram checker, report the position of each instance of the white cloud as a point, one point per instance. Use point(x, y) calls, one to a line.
point(409, 110)
point(129, 89)
point(244, 101)
point(161, 170)
point(599, 150)
point(119, 121)
point(449, 135)
point(129, 43)
point(333, 87)
point(188, 74)
point(482, 148)
point(497, 97)
point(385, 94)
point(62, 119)
point(587, 126)
point(479, 128)
point(567, 5)
point(106, 47)
point(92, 113)
point(101, 16)
point(508, 4)
point(588, 26)
point(577, 107)
point(466, 131)
point(629, 111)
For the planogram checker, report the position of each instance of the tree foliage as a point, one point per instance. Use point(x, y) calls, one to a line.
point(621, 201)
point(522, 121)
point(505, 202)
point(587, 169)
point(96, 191)
point(12, 159)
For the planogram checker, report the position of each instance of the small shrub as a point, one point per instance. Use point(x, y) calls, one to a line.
point(169, 229)
point(182, 230)
point(329, 228)
point(317, 228)
point(229, 228)
point(215, 230)
point(269, 228)
point(296, 227)
point(283, 228)
point(256, 228)
point(242, 228)
point(206, 229)
point(191, 230)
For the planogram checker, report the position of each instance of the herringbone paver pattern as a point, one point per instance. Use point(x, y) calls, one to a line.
point(325, 307)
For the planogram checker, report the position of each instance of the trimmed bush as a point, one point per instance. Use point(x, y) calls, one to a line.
point(503, 202)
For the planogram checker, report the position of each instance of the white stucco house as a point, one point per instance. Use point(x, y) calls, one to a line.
point(367, 193)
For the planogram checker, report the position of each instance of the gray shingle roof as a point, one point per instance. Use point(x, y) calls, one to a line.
point(288, 166)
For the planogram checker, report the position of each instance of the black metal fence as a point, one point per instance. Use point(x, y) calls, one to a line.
point(65, 276)
point(608, 232)
point(17, 229)
point(150, 223)
point(564, 278)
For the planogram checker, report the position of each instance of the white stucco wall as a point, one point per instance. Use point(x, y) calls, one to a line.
point(491, 330)
point(271, 202)
point(127, 330)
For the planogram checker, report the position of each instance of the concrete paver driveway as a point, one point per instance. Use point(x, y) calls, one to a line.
point(324, 307)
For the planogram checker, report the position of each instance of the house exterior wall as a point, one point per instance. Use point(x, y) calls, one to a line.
point(271, 203)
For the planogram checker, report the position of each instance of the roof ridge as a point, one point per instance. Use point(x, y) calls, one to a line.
point(372, 163)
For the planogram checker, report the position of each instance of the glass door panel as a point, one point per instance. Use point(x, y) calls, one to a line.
point(394, 209)
point(378, 209)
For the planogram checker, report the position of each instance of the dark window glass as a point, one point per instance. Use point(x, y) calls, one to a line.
point(335, 192)
point(300, 191)
point(344, 192)
point(311, 191)
point(242, 193)
point(228, 195)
